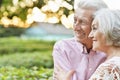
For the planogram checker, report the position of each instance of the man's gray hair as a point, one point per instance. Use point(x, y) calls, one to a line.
point(109, 25)
point(91, 4)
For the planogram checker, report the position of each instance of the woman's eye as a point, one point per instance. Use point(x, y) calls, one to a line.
point(94, 28)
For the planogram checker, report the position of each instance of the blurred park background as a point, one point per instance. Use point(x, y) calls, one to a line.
point(28, 31)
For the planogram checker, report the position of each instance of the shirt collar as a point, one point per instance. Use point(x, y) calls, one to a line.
point(83, 48)
point(80, 46)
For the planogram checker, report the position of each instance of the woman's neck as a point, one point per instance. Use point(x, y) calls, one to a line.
point(112, 52)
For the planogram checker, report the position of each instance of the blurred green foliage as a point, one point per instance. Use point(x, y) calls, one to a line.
point(13, 45)
point(22, 59)
point(28, 60)
point(25, 59)
point(35, 73)
point(28, 53)
point(11, 31)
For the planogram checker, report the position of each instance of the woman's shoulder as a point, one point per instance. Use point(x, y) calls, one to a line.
point(114, 61)
point(111, 63)
point(108, 70)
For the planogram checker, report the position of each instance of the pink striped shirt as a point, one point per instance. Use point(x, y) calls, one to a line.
point(70, 54)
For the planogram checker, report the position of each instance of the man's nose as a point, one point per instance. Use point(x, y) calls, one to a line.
point(77, 26)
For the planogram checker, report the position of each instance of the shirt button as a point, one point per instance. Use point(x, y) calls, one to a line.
point(90, 69)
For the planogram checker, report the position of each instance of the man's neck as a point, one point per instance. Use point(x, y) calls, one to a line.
point(88, 47)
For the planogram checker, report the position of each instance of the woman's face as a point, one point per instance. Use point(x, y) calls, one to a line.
point(99, 41)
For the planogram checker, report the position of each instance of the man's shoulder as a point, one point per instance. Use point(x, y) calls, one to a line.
point(66, 44)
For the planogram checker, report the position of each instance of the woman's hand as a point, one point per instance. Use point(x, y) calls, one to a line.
point(63, 75)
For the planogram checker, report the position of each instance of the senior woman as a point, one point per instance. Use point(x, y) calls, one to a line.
point(106, 37)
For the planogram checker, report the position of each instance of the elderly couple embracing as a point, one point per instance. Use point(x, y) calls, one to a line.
point(94, 52)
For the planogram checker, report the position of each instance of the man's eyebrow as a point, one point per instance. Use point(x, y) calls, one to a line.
point(85, 19)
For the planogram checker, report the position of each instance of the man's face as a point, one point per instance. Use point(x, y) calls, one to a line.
point(82, 24)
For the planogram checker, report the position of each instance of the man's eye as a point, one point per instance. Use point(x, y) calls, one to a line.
point(83, 22)
point(75, 20)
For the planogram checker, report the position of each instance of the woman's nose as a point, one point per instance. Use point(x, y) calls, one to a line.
point(90, 34)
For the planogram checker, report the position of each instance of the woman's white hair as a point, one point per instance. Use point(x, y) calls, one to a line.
point(91, 4)
point(109, 25)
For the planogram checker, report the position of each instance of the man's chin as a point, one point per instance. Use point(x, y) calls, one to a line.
point(78, 39)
